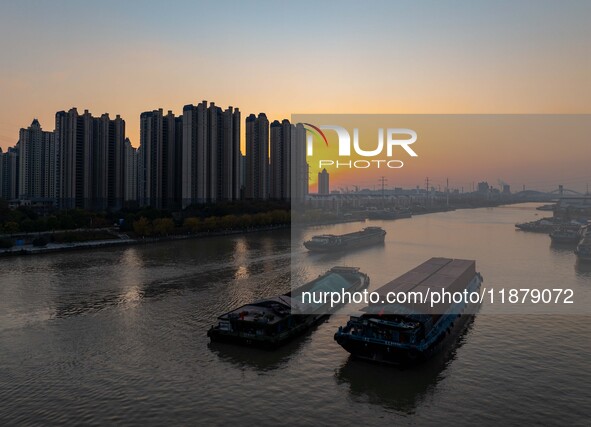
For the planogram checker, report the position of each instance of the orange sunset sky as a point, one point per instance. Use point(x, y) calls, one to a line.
point(285, 58)
point(452, 147)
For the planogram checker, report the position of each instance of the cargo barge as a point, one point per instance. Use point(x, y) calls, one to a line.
point(330, 242)
point(270, 323)
point(566, 234)
point(389, 214)
point(545, 225)
point(406, 333)
point(546, 207)
point(583, 250)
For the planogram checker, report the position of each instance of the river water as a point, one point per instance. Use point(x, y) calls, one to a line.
point(119, 335)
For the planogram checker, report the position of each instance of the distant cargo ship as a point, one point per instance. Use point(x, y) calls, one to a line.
point(389, 214)
point(546, 207)
point(330, 242)
point(545, 225)
point(271, 322)
point(583, 250)
point(566, 234)
point(405, 333)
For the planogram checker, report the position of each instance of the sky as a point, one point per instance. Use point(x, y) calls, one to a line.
point(304, 57)
point(450, 148)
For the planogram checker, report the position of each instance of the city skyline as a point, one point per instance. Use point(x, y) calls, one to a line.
point(190, 159)
point(543, 130)
point(332, 63)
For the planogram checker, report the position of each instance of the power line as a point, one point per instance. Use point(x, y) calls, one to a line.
point(383, 181)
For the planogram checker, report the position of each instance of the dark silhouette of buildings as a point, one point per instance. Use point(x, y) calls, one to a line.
point(483, 187)
point(90, 161)
point(257, 157)
point(159, 182)
point(210, 154)
point(37, 161)
point(299, 169)
point(280, 177)
point(323, 183)
point(9, 174)
point(131, 174)
point(87, 162)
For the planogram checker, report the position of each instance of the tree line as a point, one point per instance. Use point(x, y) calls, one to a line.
point(73, 225)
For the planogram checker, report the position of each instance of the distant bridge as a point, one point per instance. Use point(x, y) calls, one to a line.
point(561, 191)
point(534, 195)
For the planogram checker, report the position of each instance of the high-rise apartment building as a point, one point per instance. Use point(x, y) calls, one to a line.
point(37, 161)
point(90, 166)
point(257, 157)
point(195, 154)
point(161, 143)
point(211, 154)
point(280, 167)
point(140, 176)
point(131, 172)
point(228, 156)
point(299, 169)
point(1, 174)
point(9, 166)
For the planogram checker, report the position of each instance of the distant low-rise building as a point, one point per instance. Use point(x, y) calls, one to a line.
point(483, 187)
point(323, 182)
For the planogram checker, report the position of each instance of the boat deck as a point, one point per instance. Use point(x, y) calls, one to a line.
point(269, 311)
point(434, 275)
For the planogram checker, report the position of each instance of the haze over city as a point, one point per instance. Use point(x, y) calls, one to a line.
point(525, 57)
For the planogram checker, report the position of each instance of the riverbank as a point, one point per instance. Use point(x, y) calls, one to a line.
point(126, 241)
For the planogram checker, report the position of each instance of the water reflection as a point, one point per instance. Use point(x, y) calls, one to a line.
point(399, 389)
point(562, 247)
point(583, 268)
point(131, 277)
point(258, 359)
point(78, 304)
point(134, 291)
point(240, 256)
point(231, 270)
point(333, 256)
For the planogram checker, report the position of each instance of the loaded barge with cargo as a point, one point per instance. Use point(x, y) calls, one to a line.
point(330, 242)
point(408, 332)
point(271, 322)
point(583, 250)
point(544, 225)
point(389, 214)
point(567, 234)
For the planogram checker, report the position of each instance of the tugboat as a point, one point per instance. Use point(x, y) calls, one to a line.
point(330, 242)
point(406, 333)
point(269, 323)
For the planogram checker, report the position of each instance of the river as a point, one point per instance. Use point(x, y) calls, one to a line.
point(118, 335)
